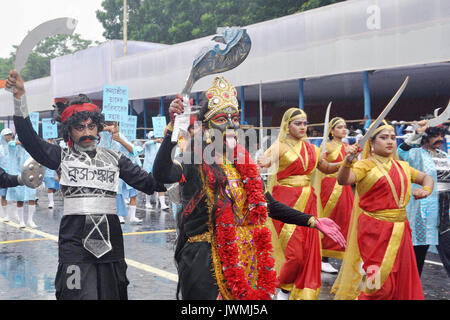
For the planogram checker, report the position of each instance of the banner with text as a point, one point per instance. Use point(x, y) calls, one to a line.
point(49, 129)
point(159, 125)
point(115, 103)
point(128, 127)
point(34, 118)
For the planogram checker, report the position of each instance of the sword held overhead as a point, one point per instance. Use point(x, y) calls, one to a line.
point(32, 173)
point(434, 122)
point(47, 29)
point(326, 128)
point(381, 117)
point(444, 116)
point(212, 60)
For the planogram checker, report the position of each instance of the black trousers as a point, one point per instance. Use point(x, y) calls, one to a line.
point(444, 236)
point(196, 273)
point(91, 281)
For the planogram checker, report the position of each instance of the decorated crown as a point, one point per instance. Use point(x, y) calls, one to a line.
point(220, 96)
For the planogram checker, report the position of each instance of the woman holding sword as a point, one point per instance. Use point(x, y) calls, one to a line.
point(380, 235)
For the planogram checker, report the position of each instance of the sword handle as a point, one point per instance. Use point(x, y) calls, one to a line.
point(187, 103)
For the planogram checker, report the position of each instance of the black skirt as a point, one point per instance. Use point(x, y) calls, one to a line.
point(92, 281)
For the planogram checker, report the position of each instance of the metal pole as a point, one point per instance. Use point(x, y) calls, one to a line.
point(125, 27)
point(131, 108)
point(242, 105)
point(301, 97)
point(367, 105)
point(145, 120)
point(161, 106)
point(261, 125)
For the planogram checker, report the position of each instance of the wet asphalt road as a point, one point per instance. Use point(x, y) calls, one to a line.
point(28, 258)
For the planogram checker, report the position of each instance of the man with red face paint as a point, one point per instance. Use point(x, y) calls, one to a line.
point(223, 247)
point(91, 253)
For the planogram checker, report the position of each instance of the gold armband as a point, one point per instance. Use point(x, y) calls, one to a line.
point(427, 188)
point(169, 127)
point(340, 164)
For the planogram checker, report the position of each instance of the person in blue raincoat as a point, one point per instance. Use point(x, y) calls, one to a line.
point(17, 156)
point(151, 148)
point(429, 217)
point(111, 138)
point(5, 137)
point(51, 183)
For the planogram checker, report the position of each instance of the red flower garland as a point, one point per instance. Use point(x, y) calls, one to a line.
point(226, 234)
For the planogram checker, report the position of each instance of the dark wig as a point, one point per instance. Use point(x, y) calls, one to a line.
point(433, 132)
point(219, 187)
point(203, 109)
point(65, 128)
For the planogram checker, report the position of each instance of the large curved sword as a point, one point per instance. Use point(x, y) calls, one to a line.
point(437, 120)
point(32, 173)
point(444, 116)
point(323, 146)
point(47, 29)
point(382, 115)
point(212, 60)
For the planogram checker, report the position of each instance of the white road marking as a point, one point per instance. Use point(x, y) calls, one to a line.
point(159, 272)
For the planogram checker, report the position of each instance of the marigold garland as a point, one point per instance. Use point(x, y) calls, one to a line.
point(225, 243)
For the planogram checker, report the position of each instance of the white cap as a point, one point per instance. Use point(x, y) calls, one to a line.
point(6, 131)
point(150, 134)
point(409, 128)
point(358, 131)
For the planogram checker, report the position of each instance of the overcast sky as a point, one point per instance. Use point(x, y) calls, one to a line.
point(18, 17)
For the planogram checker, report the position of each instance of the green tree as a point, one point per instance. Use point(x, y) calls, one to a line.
point(174, 21)
point(38, 64)
point(6, 65)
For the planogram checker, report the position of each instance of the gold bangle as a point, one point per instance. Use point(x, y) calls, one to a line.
point(312, 222)
point(427, 188)
point(347, 165)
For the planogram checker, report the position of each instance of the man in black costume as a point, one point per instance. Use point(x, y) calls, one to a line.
point(223, 249)
point(8, 180)
point(91, 253)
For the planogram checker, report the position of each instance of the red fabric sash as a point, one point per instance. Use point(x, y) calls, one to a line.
point(78, 108)
point(380, 196)
point(296, 167)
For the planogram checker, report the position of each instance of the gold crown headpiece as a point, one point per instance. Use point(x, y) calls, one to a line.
point(220, 96)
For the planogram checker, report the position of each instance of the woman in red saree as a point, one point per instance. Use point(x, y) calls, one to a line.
point(296, 250)
point(336, 200)
point(380, 235)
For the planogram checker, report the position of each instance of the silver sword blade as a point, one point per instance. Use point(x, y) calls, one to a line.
point(444, 116)
point(326, 127)
point(436, 112)
point(383, 114)
point(47, 29)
